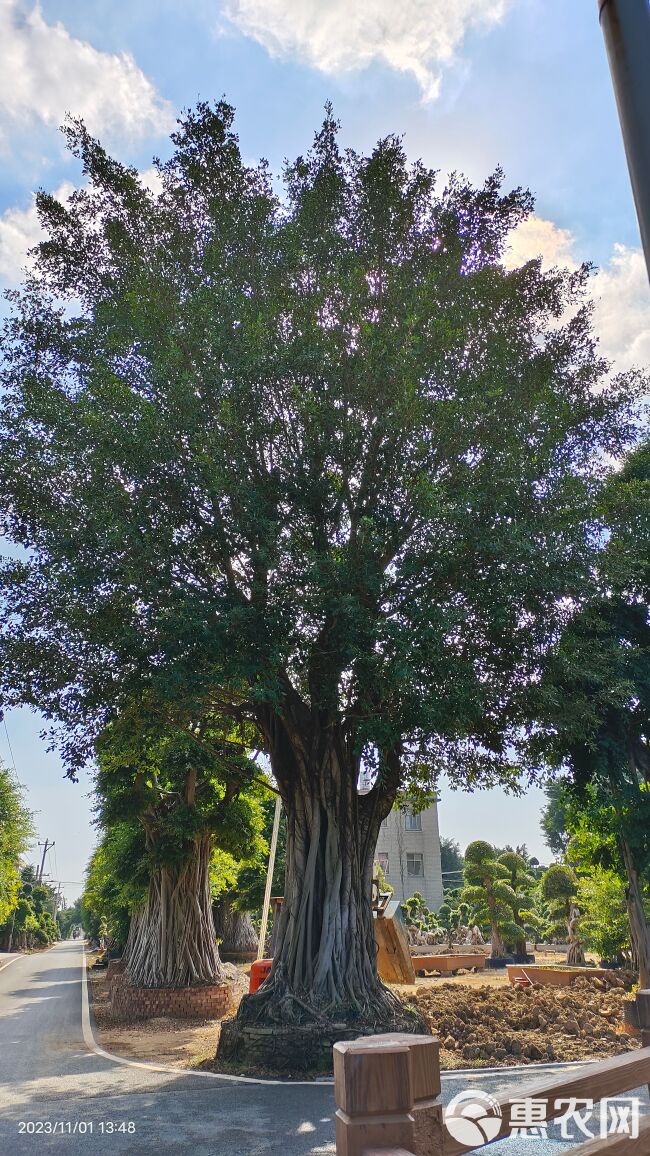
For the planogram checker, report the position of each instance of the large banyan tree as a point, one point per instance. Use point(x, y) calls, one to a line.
point(310, 457)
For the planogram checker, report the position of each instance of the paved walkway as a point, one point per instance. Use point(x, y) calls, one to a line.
point(49, 1079)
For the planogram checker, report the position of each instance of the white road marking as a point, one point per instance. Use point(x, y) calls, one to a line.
point(10, 961)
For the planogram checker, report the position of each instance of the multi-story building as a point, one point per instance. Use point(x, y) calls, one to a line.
point(408, 851)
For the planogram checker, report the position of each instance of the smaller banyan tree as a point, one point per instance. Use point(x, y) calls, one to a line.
point(176, 799)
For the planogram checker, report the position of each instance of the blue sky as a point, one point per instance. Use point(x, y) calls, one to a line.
point(469, 83)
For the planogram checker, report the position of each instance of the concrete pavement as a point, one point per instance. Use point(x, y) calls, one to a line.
point(57, 1096)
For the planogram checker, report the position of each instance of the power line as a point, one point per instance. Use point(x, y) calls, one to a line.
point(11, 752)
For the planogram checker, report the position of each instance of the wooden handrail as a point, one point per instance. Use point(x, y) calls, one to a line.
point(607, 1078)
point(388, 1100)
point(617, 1145)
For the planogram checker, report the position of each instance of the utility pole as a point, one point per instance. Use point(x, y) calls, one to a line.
point(626, 28)
point(47, 846)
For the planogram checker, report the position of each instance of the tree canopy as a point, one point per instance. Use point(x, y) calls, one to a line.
point(322, 447)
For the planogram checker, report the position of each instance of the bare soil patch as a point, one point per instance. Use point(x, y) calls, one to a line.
point(490, 1026)
point(182, 1044)
point(481, 1020)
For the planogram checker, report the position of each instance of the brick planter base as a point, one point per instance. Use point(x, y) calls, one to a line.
point(295, 1048)
point(128, 1003)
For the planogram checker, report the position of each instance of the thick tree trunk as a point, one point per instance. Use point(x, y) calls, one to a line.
point(172, 941)
point(234, 929)
point(498, 946)
point(575, 956)
point(639, 930)
point(324, 971)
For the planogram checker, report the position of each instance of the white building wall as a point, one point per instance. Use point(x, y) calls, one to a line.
point(405, 850)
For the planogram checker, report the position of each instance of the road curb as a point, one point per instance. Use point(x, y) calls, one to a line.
point(10, 961)
point(467, 1074)
point(93, 1046)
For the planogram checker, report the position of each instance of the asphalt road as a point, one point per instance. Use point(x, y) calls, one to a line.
point(47, 1074)
point(58, 1096)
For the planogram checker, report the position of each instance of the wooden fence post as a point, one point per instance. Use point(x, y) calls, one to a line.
point(423, 1108)
point(373, 1090)
point(425, 1077)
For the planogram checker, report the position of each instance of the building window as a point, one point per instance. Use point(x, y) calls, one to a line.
point(414, 863)
point(382, 859)
point(412, 822)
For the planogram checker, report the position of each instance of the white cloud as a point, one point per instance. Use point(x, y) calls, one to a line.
point(20, 229)
point(418, 37)
point(536, 237)
point(151, 180)
point(622, 315)
point(46, 72)
point(620, 288)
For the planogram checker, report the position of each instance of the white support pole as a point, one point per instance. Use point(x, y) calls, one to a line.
point(269, 878)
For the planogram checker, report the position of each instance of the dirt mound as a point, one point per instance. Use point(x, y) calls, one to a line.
point(504, 1026)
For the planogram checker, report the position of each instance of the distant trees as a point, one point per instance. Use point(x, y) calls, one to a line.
point(522, 883)
point(592, 825)
point(69, 918)
point(16, 833)
point(452, 916)
point(452, 862)
point(553, 821)
point(593, 700)
point(32, 922)
point(418, 916)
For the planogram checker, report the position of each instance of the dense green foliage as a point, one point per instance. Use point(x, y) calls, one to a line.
point(488, 890)
point(559, 888)
point(452, 862)
point(148, 820)
point(16, 832)
point(553, 822)
point(416, 913)
point(258, 423)
point(32, 922)
point(593, 701)
point(69, 919)
point(604, 925)
point(522, 882)
point(591, 835)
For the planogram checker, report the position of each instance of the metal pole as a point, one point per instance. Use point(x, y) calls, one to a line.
point(269, 879)
point(626, 28)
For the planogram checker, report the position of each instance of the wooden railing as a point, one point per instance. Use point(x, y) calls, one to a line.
point(388, 1100)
